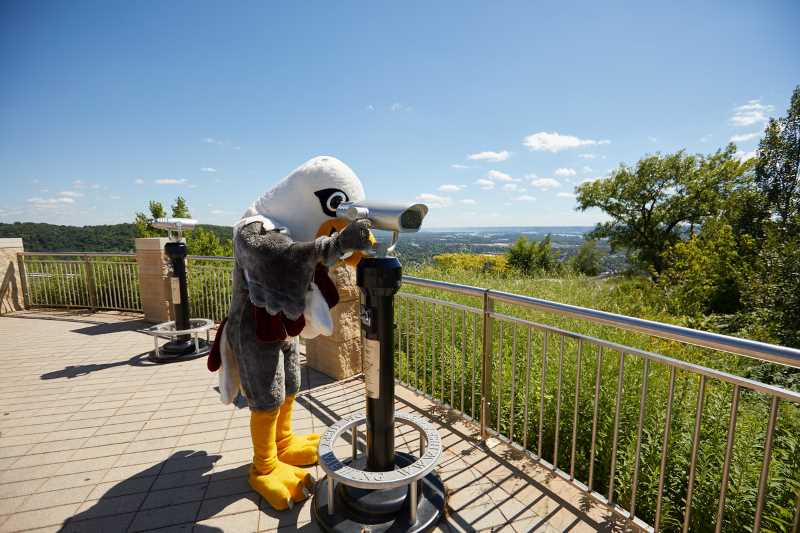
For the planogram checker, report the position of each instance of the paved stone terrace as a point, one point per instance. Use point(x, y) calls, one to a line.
point(93, 437)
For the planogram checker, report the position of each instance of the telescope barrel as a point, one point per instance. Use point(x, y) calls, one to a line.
point(402, 218)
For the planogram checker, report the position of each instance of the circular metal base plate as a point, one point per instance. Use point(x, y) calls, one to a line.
point(178, 351)
point(347, 516)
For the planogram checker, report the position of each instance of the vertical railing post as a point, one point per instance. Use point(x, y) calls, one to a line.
point(486, 379)
point(91, 287)
point(23, 279)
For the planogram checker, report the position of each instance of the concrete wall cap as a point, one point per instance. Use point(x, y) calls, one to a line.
point(151, 243)
point(11, 242)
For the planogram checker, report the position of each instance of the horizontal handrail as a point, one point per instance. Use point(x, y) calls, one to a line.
point(211, 257)
point(749, 348)
point(77, 254)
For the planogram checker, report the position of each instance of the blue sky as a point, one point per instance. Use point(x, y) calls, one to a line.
point(490, 112)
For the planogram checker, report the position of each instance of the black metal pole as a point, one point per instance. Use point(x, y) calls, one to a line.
point(379, 279)
point(182, 344)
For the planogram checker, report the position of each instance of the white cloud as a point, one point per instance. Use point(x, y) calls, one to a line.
point(449, 187)
point(50, 202)
point(587, 156)
point(208, 169)
point(459, 166)
point(211, 140)
point(753, 112)
point(545, 183)
point(526, 198)
point(490, 156)
point(706, 138)
point(370, 107)
point(565, 172)
point(586, 169)
point(468, 201)
point(499, 176)
point(484, 184)
point(744, 156)
point(114, 197)
point(510, 187)
point(433, 200)
point(742, 137)
point(555, 142)
point(652, 139)
point(566, 194)
point(72, 194)
point(139, 181)
point(78, 184)
point(170, 181)
point(397, 106)
point(217, 212)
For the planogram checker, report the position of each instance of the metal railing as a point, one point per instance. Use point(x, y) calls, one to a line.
point(652, 436)
point(210, 284)
point(80, 280)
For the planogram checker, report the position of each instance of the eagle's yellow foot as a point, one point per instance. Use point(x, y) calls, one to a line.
point(279, 483)
point(298, 450)
point(284, 486)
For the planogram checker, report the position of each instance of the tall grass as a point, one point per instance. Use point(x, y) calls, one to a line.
point(444, 344)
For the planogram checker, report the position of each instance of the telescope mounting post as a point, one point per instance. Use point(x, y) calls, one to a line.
point(383, 490)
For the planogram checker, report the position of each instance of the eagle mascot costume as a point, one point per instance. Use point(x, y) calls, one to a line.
point(283, 246)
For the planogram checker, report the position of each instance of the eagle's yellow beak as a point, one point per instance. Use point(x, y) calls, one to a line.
point(329, 227)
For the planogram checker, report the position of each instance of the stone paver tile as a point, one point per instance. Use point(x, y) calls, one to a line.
point(118, 505)
point(43, 459)
point(230, 445)
point(144, 458)
point(112, 489)
point(24, 474)
point(198, 476)
point(228, 487)
point(99, 525)
point(108, 439)
point(39, 518)
point(86, 465)
point(48, 446)
point(228, 505)
point(297, 518)
point(119, 428)
point(178, 495)
point(198, 439)
point(93, 452)
point(9, 505)
point(15, 451)
point(151, 444)
point(246, 522)
point(164, 516)
point(21, 488)
point(72, 480)
point(120, 473)
point(55, 498)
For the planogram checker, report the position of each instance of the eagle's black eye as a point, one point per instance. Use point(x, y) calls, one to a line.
point(330, 199)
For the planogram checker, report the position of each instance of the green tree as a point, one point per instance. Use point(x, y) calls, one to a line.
point(653, 204)
point(707, 272)
point(529, 257)
point(587, 259)
point(204, 242)
point(142, 222)
point(778, 167)
point(180, 209)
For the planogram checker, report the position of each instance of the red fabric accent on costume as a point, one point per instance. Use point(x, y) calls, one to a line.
point(293, 327)
point(326, 286)
point(214, 356)
point(269, 328)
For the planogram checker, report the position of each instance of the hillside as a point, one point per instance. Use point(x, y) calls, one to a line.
point(40, 237)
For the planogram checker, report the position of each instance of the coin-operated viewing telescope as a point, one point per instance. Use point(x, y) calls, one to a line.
point(384, 489)
point(176, 251)
point(396, 218)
